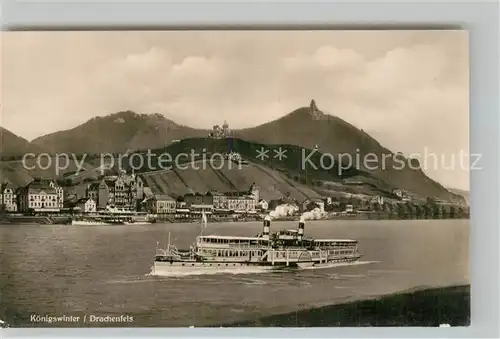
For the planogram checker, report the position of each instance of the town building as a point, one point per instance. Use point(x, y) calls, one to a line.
point(160, 204)
point(255, 193)
point(263, 205)
point(310, 204)
point(199, 203)
point(98, 192)
point(181, 209)
point(219, 201)
point(40, 195)
point(377, 200)
point(400, 194)
point(241, 204)
point(8, 198)
point(222, 203)
point(349, 209)
point(219, 132)
point(121, 191)
point(86, 205)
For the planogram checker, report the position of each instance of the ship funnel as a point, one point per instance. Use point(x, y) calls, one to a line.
point(266, 227)
point(302, 224)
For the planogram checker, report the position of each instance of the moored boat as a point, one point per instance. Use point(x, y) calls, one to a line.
point(140, 218)
point(98, 221)
point(282, 249)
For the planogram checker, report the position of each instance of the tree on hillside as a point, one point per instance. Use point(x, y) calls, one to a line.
point(419, 212)
point(410, 210)
point(453, 212)
point(462, 212)
point(425, 211)
point(388, 209)
point(401, 210)
point(436, 212)
point(311, 206)
point(444, 212)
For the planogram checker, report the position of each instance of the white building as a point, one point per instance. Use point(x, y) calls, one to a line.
point(263, 205)
point(8, 198)
point(241, 204)
point(160, 204)
point(87, 205)
point(40, 196)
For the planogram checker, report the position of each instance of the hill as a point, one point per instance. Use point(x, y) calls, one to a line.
point(275, 177)
point(20, 173)
point(305, 128)
point(309, 127)
point(462, 193)
point(13, 145)
point(289, 169)
point(119, 132)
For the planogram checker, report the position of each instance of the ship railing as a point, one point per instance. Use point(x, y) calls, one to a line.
point(245, 246)
point(229, 245)
point(173, 250)
point(161, 252)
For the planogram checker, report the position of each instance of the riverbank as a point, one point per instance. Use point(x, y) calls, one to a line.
point(429, 307)
point(65, 218)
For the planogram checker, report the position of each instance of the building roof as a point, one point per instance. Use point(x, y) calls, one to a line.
point(40, 190)
point(8, 185)
point(94, 185)
point(128, 179)
point(315, 200)
point(157, 197)
point(83, 200)
point(38, 186)
point(148, 192)
point(162, 197)
point(110, 182)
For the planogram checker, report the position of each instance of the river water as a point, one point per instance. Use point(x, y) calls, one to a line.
point(85, 271)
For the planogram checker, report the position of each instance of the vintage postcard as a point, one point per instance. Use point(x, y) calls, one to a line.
point(234, 178)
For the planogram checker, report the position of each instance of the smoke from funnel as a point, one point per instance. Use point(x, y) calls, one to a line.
point(283, 211)
point(314, 214)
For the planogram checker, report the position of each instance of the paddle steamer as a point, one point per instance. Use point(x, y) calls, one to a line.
point(282, 249)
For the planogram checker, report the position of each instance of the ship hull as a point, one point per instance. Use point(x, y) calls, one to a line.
point(165, 266)
point(138, 223)
point(93, 223)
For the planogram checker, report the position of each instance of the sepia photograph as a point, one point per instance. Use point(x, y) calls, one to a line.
point(235, 178)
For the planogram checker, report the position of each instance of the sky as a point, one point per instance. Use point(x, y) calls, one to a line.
point(408, 89)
